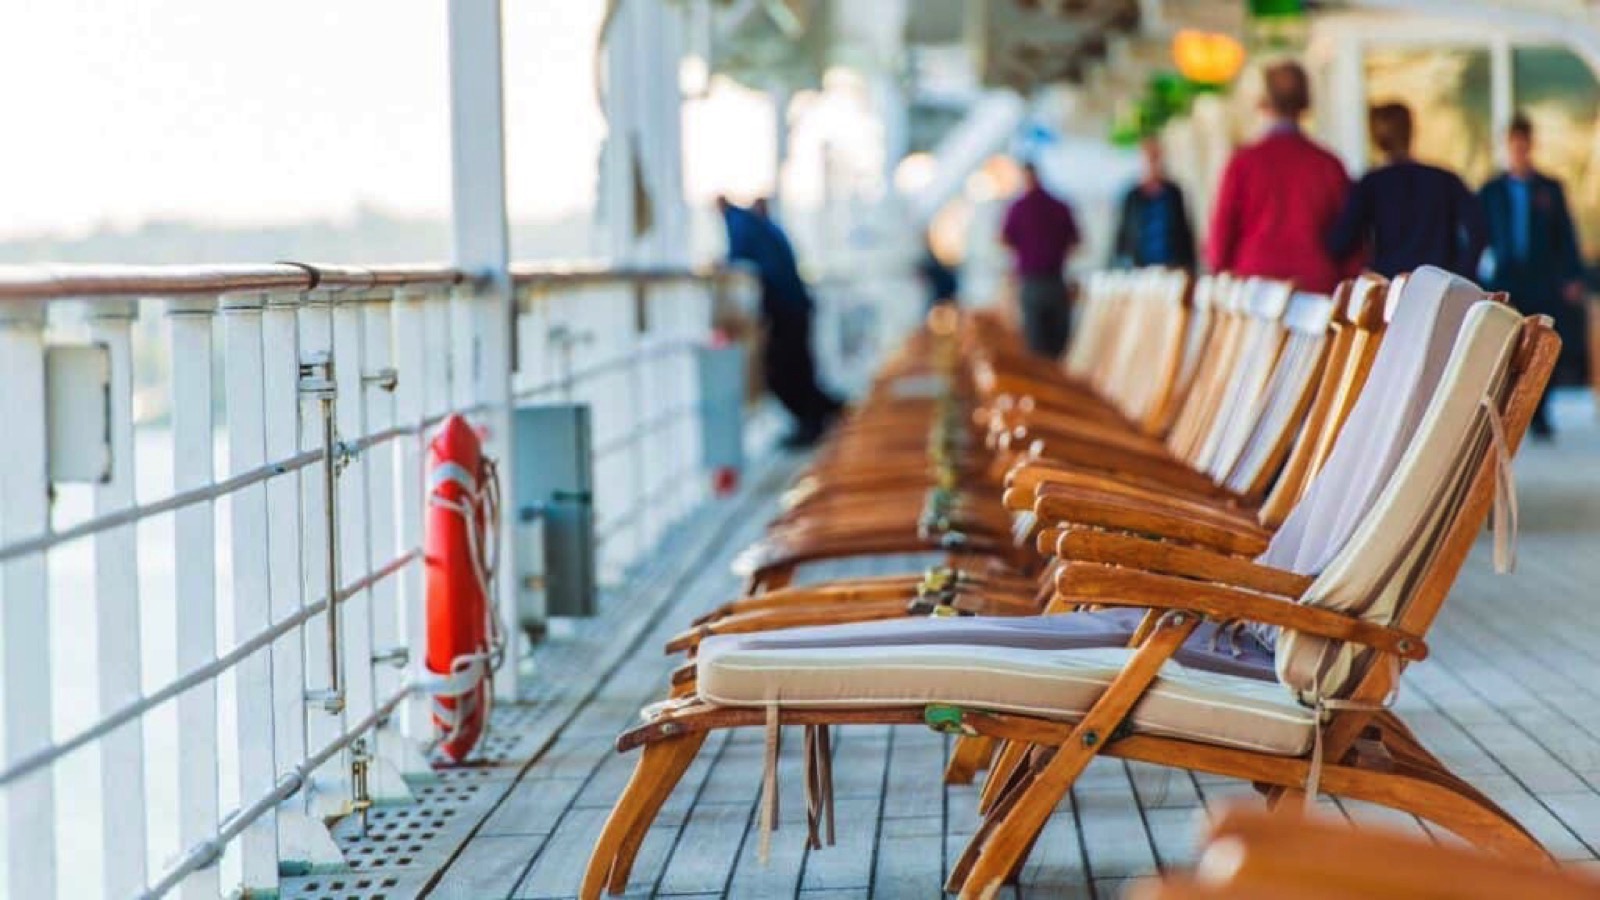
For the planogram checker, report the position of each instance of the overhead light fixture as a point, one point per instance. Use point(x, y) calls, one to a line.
point(1208, 58)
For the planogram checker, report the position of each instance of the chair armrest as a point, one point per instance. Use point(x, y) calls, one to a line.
point(1174, 521)
point(1199, 564)
point(1091, 583)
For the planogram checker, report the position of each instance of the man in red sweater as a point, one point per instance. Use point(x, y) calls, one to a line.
point(1280, 196)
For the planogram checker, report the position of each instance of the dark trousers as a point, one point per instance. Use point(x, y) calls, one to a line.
point(1046, 319)
point(791, 370)
point(1537, 296)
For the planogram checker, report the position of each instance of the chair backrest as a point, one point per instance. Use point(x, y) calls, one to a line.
point(1404, 377)
point(1365, 347)
point(1247, 326)
point(1196, 338)
point(1095, 318)
point(1151, 371)
point(1377, 572)
point(1357, 333)
point(1261, 340)
point(1261, 433)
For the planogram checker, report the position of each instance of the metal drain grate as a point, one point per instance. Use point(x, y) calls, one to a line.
point(385, 886)
point(404, 845)
point(510, 726)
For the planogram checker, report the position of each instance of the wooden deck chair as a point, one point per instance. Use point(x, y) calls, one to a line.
point(1373, 605)
point(1437, 306)
point(1313, 342)
point(861, 522)
point(1249, 853)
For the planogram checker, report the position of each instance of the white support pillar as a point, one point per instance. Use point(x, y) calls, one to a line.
point(482, 248)
point(252, 603)
point(645, 143)
point(28, 832)
point(116, 565)
point(1502, 93)
point(780, 98)
point(194, 530)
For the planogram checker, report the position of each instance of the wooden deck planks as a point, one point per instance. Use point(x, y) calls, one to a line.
point(1510, 698)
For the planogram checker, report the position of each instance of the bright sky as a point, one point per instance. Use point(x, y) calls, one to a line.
point(118, 111)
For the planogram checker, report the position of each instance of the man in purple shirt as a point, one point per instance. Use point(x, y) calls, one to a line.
point(1041, 233)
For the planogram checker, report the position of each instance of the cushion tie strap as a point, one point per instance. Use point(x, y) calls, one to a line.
point(1505, 493)
point(819, 786)
point(769, 785)
point(1326, 705)
point(1228, 630)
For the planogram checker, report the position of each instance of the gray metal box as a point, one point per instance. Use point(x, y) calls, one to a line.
point(78, 390)
point(554, 484)
point(722, 387)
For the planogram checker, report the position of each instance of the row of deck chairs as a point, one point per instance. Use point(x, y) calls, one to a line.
point(1210, 538)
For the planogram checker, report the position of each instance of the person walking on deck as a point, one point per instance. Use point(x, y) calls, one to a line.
point(1154, 227)
point(1041, 232)
point(1280, 196)
point(786, 312)
point(1533, 247)
point(1408, 214)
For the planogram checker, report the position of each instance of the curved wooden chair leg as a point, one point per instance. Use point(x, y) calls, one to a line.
point(970, 754)
point(1001, 848)
point(961, 869)
point(667, 780)
point(1001, 771)
point(660, 766)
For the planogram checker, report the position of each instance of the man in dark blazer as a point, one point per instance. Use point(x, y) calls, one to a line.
point(1154, 227)
point(1532, 242)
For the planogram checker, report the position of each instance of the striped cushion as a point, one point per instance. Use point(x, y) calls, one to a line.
point(1226, 710)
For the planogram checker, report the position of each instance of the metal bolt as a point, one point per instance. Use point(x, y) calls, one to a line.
point(394, 656)
point(1091, 738)
point(384, 379)
point(361, 797)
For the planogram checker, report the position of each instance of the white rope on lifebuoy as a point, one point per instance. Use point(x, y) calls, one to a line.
point(480, 504)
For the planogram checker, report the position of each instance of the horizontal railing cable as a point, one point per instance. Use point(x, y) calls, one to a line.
point(48, 754)
point(207, 853)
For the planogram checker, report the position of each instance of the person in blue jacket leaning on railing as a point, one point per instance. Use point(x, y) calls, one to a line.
point(786, 312)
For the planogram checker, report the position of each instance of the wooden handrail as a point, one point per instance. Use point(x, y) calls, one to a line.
point(54, 281)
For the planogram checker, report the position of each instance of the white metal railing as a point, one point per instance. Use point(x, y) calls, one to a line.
point(192, 657)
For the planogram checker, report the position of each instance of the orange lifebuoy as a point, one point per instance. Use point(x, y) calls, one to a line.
point(463, 633)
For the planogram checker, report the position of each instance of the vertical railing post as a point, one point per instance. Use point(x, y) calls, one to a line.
point(639, 346)
point(194, 532)
point(304, 844)
point(410, 407)
point(252, 604)
point(116, 571)
point(28, 833)
point(325, 720)
point(391, 651)
point(350, 367)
